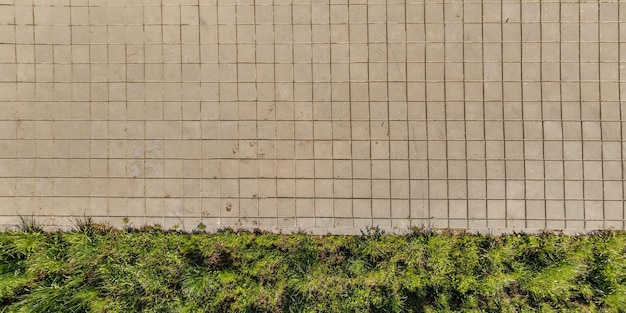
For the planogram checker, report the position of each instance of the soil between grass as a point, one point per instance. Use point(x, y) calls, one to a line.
point(98, 269)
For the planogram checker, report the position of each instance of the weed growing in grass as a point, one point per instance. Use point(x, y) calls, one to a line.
point(29, 225)
point(201, 227)
point(98, 269)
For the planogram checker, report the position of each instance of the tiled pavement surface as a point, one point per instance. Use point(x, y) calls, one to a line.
point(314, 114)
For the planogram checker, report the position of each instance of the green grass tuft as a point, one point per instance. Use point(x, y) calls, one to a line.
point(95, 268)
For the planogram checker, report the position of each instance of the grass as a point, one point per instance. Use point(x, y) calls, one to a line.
point(99, 269)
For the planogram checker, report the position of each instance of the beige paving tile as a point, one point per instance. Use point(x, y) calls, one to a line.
point(249, 112)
